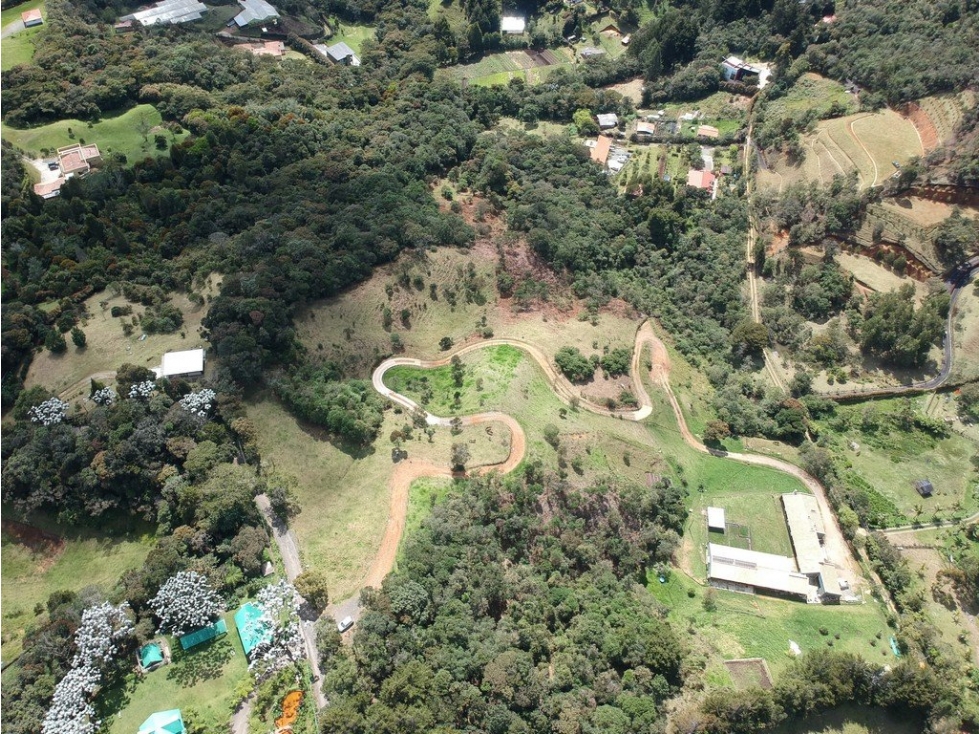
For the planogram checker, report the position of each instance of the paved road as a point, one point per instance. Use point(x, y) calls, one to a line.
point(286, 540)
point(11, 28)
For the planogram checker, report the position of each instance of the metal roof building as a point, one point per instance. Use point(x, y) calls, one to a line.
point(715, 519)
point(168, 11)
point(254, 11)
point(513, 25)
point(737, 569)
point(341, 53)
point(805, 529)
point(182, 364)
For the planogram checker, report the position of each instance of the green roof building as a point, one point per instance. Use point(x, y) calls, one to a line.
point(251, 628)
point(164, 722)
point(204, 634)
point(150, 655)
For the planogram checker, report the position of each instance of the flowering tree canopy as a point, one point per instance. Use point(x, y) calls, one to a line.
point(199, 403)
point(71, 709)
point(186, 602)
point(49, 413)
point(142, 389)
point(105, 396)
point(279, 624)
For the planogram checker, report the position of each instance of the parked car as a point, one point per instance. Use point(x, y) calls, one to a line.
point(53, 166)
point(345, 624)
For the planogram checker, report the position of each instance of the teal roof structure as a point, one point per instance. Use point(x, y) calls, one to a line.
point(164, 722)
point(204, 634)
point(150, 655)
point(251, 629)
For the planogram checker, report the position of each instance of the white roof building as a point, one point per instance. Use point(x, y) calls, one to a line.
point(608, 120)
point(168, 11)
point(339, 53)
point(179, 364)
point(715, 519)
point(513, 25)
point(254, 11)
point(743, 570)
point(805, 529)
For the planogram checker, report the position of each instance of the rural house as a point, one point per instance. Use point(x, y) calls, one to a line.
point(608, 120)
point(735, 70)
point(32, 18)
point(188, 364)
point(512, 25)
point(599, 153)
point(73, 160)
point(708, 131)
point(338, 53)
point(701, 179)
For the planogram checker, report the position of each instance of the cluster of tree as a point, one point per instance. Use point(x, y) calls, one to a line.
point(956, 239)
point(743, 408)
point(901, 335)
point(351, 411)
point(542, 627)
point(575, 365)
point(811, 212)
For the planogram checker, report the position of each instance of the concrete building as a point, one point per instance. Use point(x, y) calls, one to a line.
point(715, 519)
point(608, 120)
point(806, 531)
point(737, 569)
point(734, 69)
point(338, 53)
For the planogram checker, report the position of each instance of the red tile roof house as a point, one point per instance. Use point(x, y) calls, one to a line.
point(701, 180)
point(32, 18)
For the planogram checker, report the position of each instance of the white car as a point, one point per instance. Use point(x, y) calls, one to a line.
point(345, 624)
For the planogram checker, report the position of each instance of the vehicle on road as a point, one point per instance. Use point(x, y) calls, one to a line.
point(345, 624)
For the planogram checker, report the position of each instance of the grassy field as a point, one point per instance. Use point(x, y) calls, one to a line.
point(757, 626)
point(119, 134)
point(349, 329)
point(424, 495)
point(889, 460)
point(352, 35)
point(966, 358)
point(19, 48)
point(854, 720)
point(31, 574)
point(107, 347)
point(201, 682)
point(345, 496)
point(811, 92)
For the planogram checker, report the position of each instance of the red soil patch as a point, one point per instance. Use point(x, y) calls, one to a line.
point(780, 241)
point(915, 268)
point(48, 547)
point(923, 124)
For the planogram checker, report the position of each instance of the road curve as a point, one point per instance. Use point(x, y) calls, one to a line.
point(839, 550)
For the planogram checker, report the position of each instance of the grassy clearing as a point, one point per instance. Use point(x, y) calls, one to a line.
point(487, 375)
point(876, 276)
point(812, 92)
point(201, 682)
point(489, 65)
point(31, 575)
point(757, 626)
point(19, 48)
point(854, 720)
point(119, 134)
point(352, 35)
point(108, 348)
point(889, 460)
point(349, 329)
point(345, 496)
point(541, 128)
point(966, 357)
point(423, 496)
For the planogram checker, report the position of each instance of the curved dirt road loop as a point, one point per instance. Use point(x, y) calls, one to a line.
point(408, 471)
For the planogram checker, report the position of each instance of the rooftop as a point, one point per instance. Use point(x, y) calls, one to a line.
point(32, 16)
point(512, 24)
point(50, 189)
point(600, 152)
point(645, 128)
point(339, 52)
point(700, 179)
point(168, 11)
point(251, 627)
point(760, 570)
point(150, 655)
point(607, 120)
point(715, 517)
point(708, 131)
point(163, 722)
point(253, 11)
point(204, 634)
point(187, 362)
point(805, 525)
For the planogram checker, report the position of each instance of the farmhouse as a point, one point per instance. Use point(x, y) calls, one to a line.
point(700, 179)
point(734, 69)
point(164, 722)
point(252, 628)
point(645, 130)
point(805, 530)
point(924, 487)
point(168, 11)
point(715, 519)
point(601, 149)
point(338, 53)
point(737, 569)
point(50, 189)
point(204, 634)
point(708, 131)
point(188, 364)
point(254, 11)
point(512, 25)
point(78, 160)
point(32, 18)
point(608, 120)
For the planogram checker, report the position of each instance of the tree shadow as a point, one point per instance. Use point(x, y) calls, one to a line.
point(205, 662)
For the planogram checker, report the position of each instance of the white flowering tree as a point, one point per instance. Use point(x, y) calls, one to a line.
point(278, 624)
point(198, 403)
point(185, 603)
point(97, 639)
point(49, 413)
point(142, 390)
point(105, 396)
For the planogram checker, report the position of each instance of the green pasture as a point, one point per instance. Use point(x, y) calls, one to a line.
point(201, 682)
point(854, 719)
point(422, 497)
point(814, 93)
point(90, 557)
point(353, 35)
point(19, 48)
point(756, 626)
point(130, 133)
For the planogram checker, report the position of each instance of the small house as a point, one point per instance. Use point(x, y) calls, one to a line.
point(645, 130)
point(715, 519)
point(152, 656)
point(188, 364)
point(735, 70)
point(164, 722)
point(608, 120)
point(924, 487)
point(599, 153)
point(341, 53)
point(700, 179)
point(32, 18)
point(513, 25)
point(254, 11)
point(708, 131)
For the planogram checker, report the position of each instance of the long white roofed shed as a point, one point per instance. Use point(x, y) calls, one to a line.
point(715, 519)
point(189, 363)
point(169, 11)
point(254, 11)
